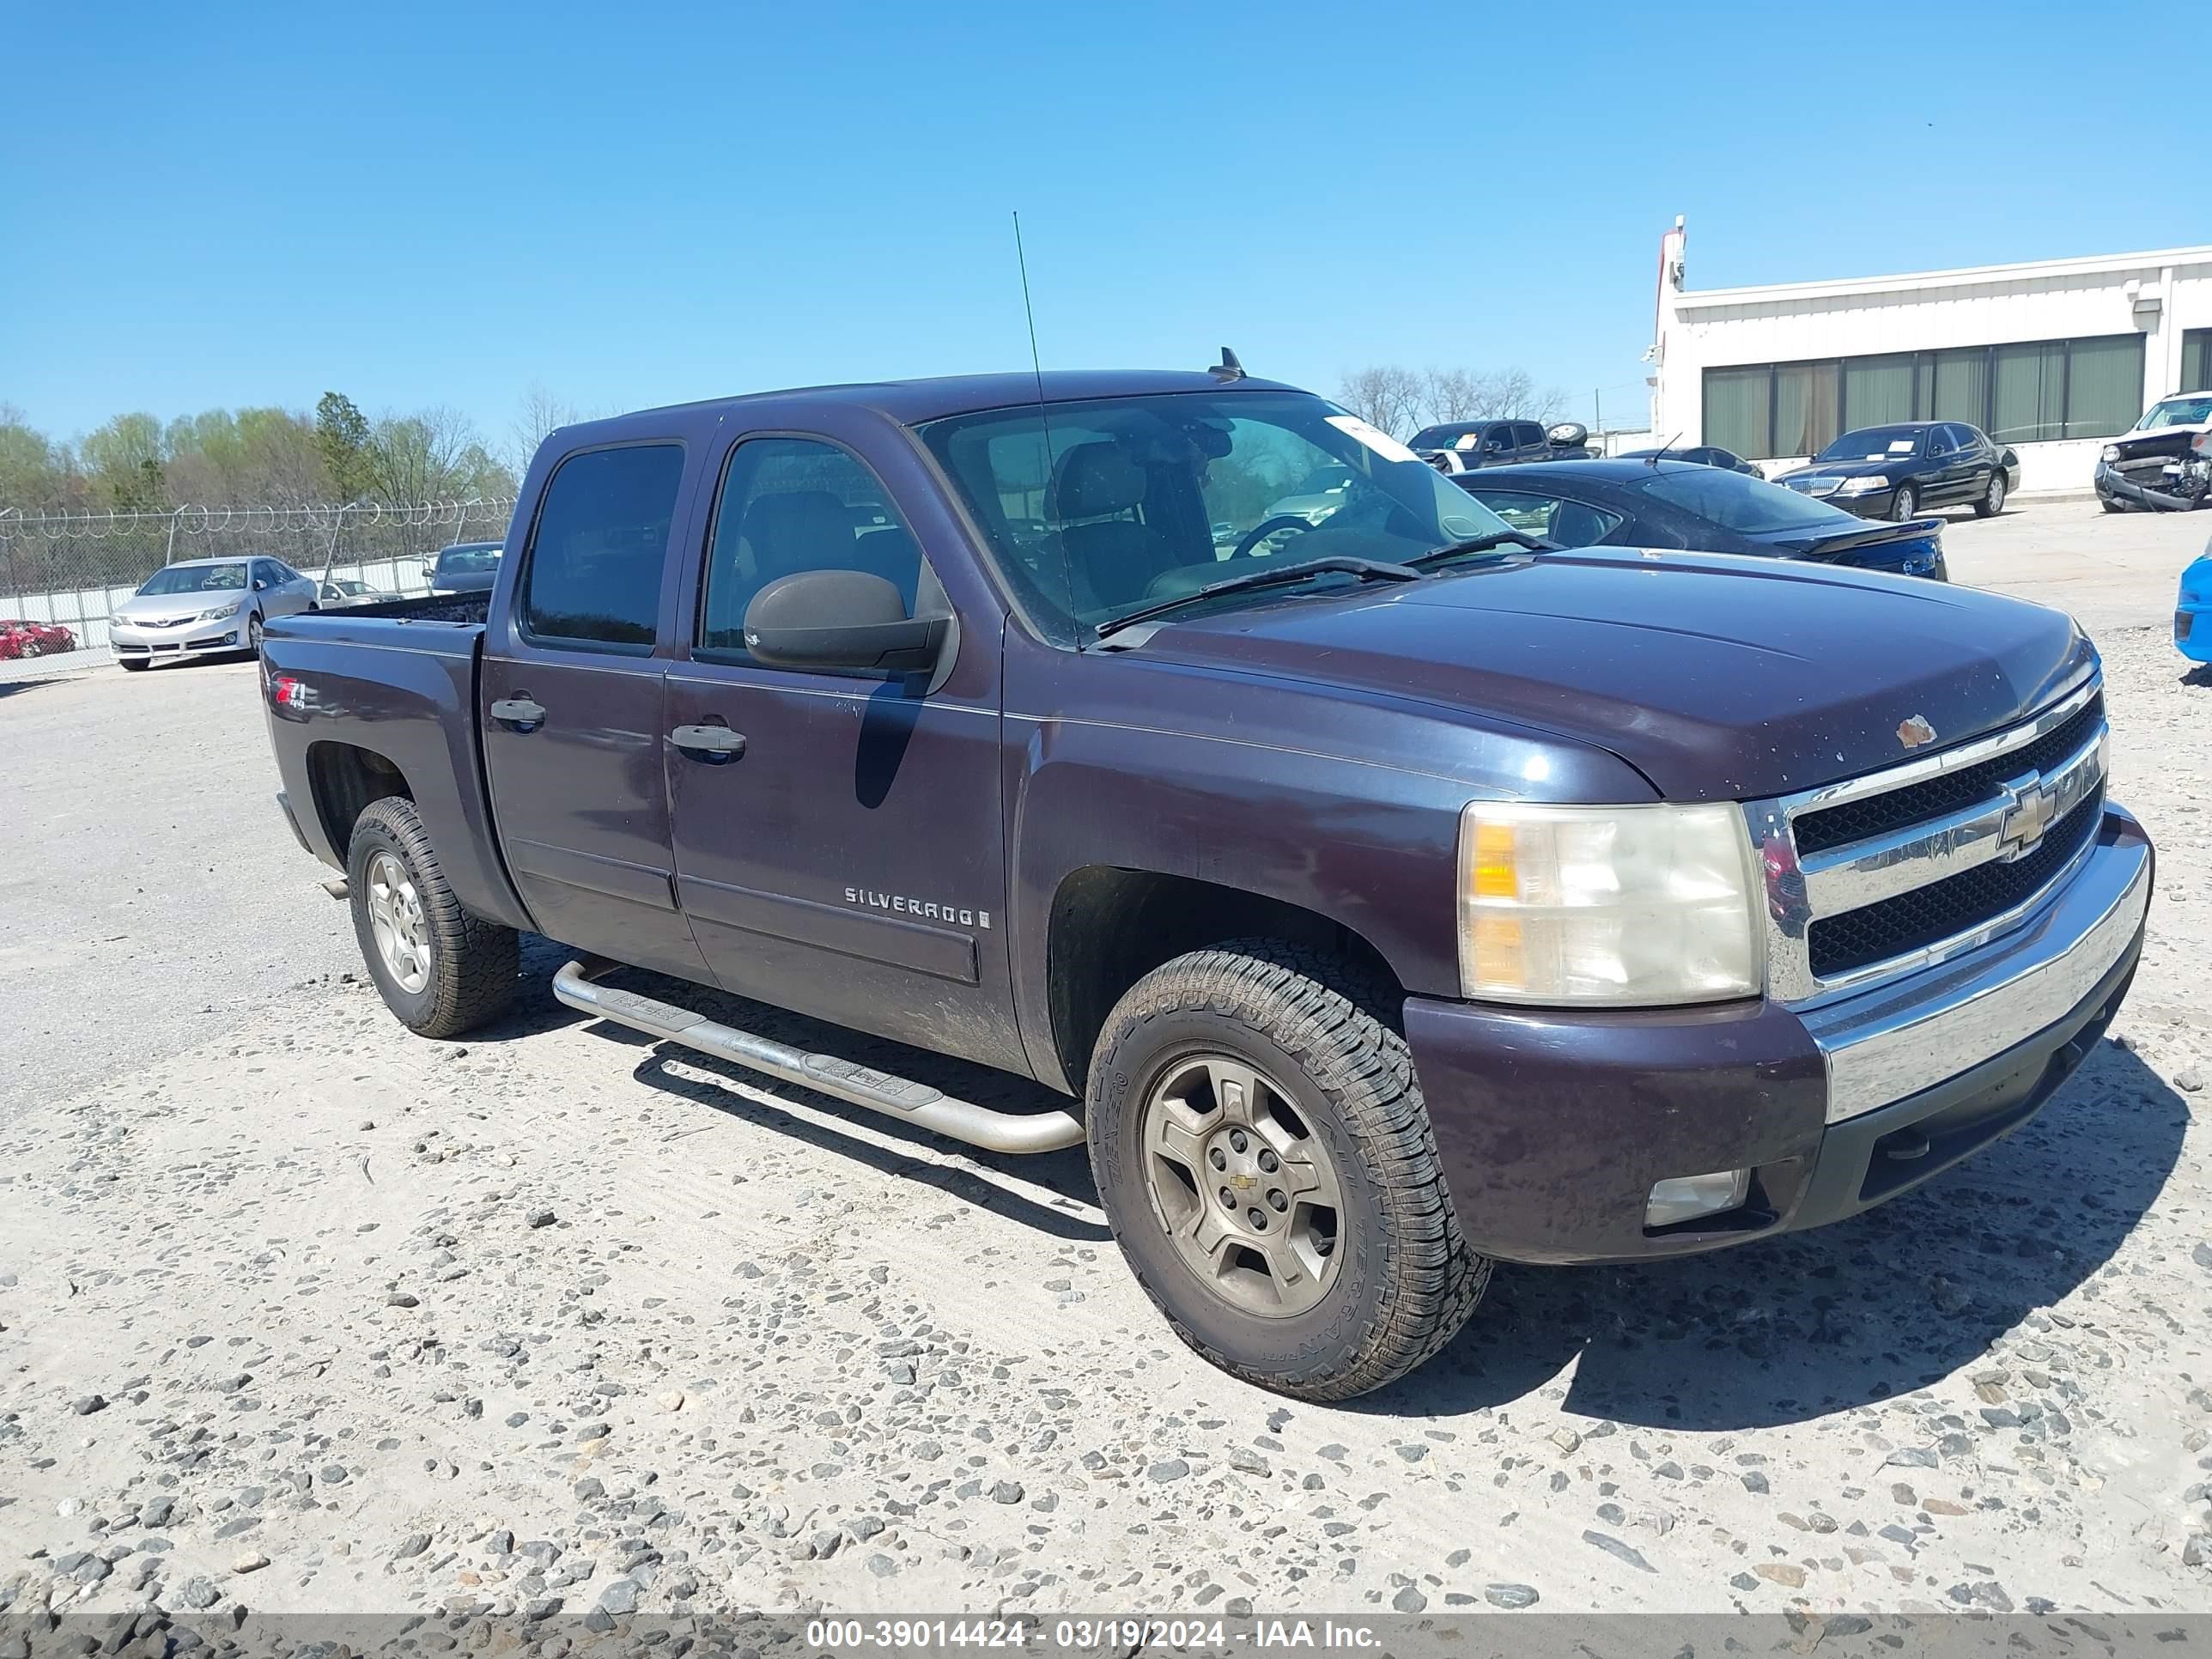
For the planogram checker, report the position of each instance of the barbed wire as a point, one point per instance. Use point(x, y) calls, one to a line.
point(264, 518)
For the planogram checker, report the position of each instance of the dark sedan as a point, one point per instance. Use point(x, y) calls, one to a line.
point(465, 567)
point(1893, 472)
point(1699, 454)
point(1679, 504)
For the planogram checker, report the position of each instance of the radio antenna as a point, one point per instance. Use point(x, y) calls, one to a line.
point(1044, 422)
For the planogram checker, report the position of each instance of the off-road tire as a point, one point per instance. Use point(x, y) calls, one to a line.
point(1406, 1281)
point(472, 962)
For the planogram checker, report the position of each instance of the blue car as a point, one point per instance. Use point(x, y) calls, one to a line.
point(2192, 610)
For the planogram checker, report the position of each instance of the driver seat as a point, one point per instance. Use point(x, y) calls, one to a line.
point(1111, 560)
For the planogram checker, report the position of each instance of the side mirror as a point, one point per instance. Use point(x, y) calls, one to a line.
point(259, 586)
point(840, 619)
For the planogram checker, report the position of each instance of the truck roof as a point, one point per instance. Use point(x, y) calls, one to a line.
point(911, 402)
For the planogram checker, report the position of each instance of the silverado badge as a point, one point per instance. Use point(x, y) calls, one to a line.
point(1916, 732)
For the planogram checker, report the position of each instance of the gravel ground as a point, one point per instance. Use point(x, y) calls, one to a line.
point(150, 897)
point(299, 1313)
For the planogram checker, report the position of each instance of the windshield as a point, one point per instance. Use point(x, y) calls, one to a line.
point(1738, 501)
point(1445, 437)
point(2176, 411)
point(1874, 443)
point(468, 561)
point(1095, 509)
point(197, 578)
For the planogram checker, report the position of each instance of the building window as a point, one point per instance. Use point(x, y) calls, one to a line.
point(2034, 393)
point(1738, 410)
point(2197, 360)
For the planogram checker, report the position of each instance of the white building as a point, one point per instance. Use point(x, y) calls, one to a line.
point(2051, 357)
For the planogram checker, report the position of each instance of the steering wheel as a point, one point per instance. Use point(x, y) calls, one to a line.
point(1267, 527)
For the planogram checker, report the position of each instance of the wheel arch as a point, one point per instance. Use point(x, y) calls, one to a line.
point(1109, 926)
point(343, 779)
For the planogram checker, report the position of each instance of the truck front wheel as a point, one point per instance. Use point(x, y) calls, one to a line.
point(1264, 1154)
point(441, 970)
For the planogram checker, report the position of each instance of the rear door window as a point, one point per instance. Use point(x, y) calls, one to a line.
point(599, 548)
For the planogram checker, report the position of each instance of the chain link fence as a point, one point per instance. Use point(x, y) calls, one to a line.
point(67, 572)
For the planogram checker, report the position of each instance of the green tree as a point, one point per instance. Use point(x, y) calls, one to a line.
point(125, 456)
point(33, 475)
point(343, 438)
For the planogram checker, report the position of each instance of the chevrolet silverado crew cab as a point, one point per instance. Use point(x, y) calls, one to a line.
point(1383, 897)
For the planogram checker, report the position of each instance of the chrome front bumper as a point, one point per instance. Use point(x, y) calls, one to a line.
point(1911, 1034)
point(191, 639)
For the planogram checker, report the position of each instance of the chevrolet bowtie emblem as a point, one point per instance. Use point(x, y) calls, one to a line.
point(2033, 804)
point(1243, 1183)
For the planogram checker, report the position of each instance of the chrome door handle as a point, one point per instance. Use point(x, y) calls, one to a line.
point(520, 713)
point(716, 744)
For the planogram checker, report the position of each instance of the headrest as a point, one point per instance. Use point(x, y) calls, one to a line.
point(797, 529)
point(1097, 478)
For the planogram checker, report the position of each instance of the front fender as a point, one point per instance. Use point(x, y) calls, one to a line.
point(1347, 808)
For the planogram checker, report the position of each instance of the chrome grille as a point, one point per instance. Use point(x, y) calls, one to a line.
point(1947, 792)
point(1841, 945)
point(1882, 874)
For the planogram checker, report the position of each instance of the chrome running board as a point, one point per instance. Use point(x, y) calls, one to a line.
point(860, 1086)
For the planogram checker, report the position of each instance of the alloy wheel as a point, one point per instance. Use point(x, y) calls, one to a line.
point(395, 917)
point(1247, 1192)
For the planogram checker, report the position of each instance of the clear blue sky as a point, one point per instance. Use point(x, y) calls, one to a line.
point(636, 203)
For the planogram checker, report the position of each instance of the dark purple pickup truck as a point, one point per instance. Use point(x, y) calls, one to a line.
point(1388, 892)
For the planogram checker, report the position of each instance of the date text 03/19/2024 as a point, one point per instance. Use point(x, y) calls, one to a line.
point(1087, 1635)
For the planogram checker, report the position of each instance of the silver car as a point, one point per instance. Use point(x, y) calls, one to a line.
point(205, 607)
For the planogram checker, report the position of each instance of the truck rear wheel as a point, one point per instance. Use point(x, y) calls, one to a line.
point(1264, 1154)
point(441, 970)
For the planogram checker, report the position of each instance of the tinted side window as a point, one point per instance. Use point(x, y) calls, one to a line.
point(1527, 435)
point(794, 504)
point(1570, 524)
point(601, 542)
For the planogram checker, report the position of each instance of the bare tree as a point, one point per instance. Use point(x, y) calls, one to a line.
point(1460, 394)
point(1385, 396)
point(1513, 394)
point(433, 455)
point(1400, 401)
point(1455, 394)
point(539, 415)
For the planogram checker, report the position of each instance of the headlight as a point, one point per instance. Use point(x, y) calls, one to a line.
point(1624, 906)
point(1862, 486)
point(218, 613)
point(2111, 452)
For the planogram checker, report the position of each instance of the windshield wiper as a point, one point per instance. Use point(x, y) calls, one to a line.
point(1370, 569)
point(1483, 544)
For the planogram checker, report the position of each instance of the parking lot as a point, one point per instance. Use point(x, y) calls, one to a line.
point(340, 1319)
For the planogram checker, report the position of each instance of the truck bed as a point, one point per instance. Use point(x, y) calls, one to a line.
point(441, 624)
point(397, 680)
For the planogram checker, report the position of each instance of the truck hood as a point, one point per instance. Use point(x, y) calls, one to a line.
point(1717, 678)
